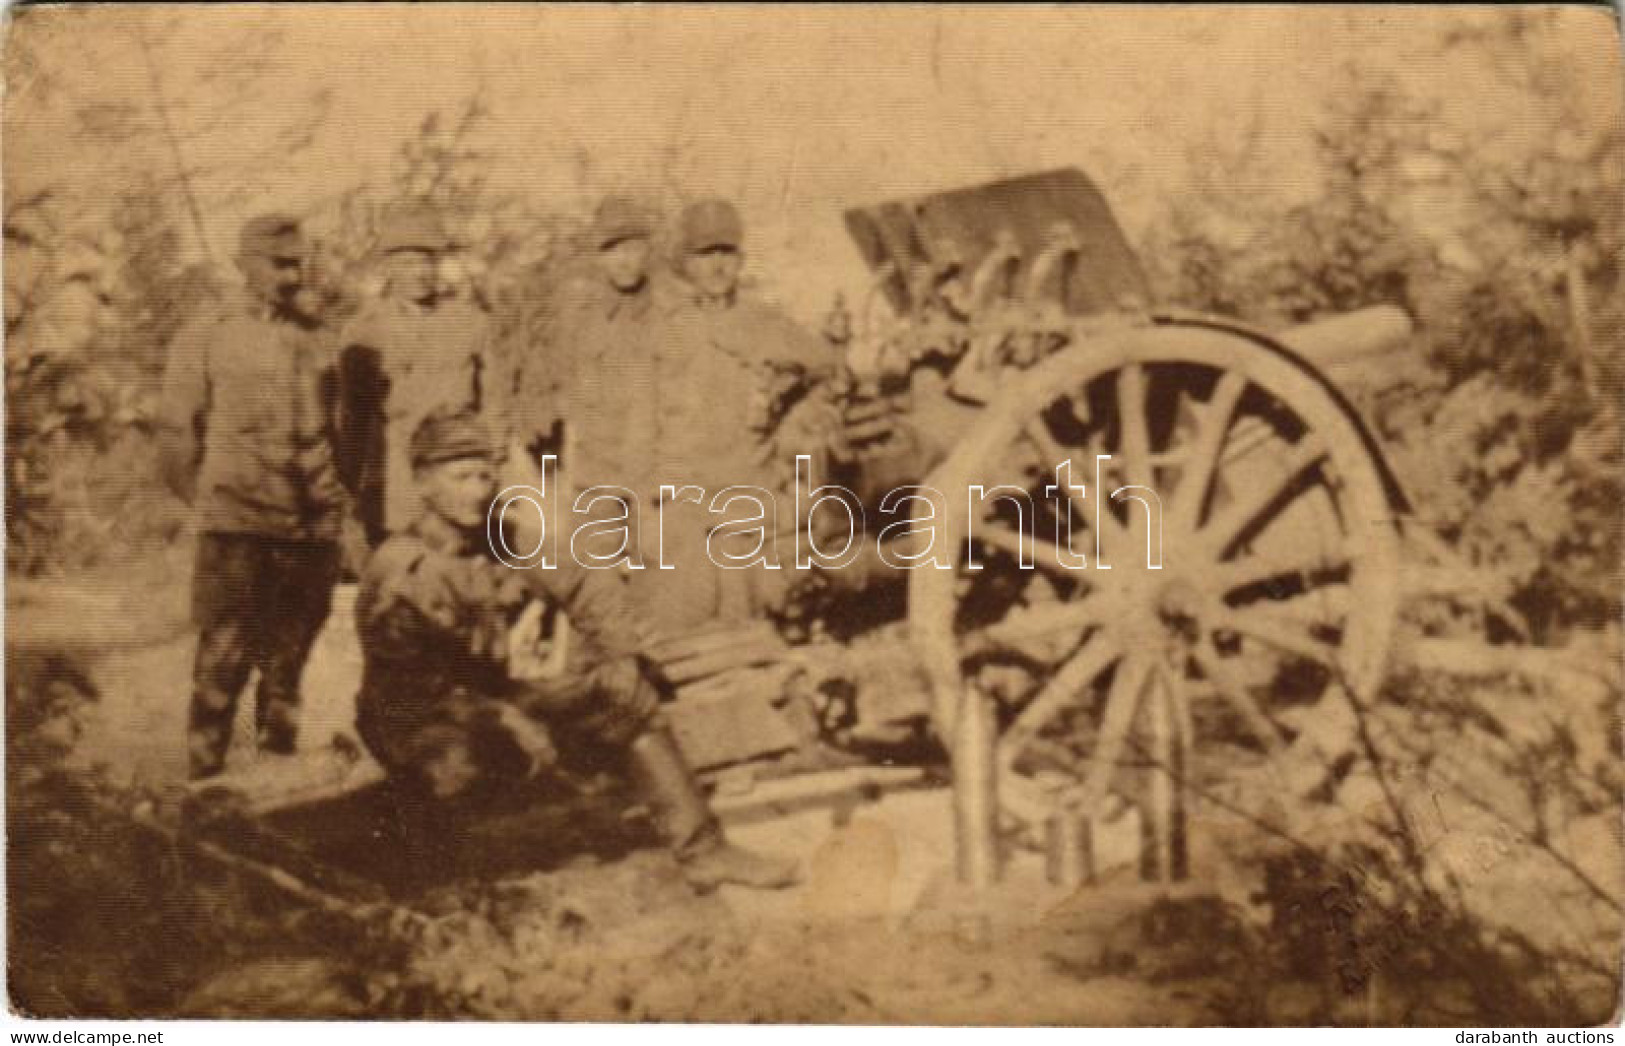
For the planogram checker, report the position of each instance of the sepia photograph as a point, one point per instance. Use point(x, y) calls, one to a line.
point(1098, 516)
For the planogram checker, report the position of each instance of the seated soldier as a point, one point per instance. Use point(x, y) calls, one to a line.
point(438, 706)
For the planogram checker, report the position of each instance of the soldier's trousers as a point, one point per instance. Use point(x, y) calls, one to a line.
point(259, 603)
point(445, 743)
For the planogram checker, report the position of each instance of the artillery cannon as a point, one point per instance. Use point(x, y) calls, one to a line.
point(1019, 354)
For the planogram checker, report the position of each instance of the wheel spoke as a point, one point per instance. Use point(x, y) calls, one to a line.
point(1180, 689)
point(1043, 554)
point(1246, 435)
point(1223, 530)
point(1203, 455)
point(1282, 633)
point(1049, 759)
point(1135, 444)
point(1121, 703)
point(1179, 699)
point(1235, 692)
point(1224, 578)
point(1318, 608)
point(1053, 455)
point(1112, 537)
point(1035, 622)
point(1062, 689)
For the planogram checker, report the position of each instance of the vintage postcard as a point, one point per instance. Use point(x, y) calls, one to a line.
point(889, 515)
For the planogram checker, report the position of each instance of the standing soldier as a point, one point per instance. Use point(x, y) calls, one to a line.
point(599, 377)
point(440, 707)
point(246, 435)
point(728, 365)
point(411, 351)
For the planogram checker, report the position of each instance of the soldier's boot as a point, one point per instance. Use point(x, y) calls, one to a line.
point(287, 648)
point(707, 857)
point(206, 744)
point(278, 724)
point(218, 674)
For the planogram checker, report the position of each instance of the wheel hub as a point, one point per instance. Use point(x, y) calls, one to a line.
point(1158, 612)
point(1178, 608)
point(1178, 603)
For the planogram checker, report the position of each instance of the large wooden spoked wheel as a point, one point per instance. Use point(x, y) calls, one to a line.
point(1276, 588)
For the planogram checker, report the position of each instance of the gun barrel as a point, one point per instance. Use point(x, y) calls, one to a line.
point(1337, 342)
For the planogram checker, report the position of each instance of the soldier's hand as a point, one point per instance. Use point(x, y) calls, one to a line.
point(653, 669)
point(630, 686)
point(776, 385)
point(786, 381)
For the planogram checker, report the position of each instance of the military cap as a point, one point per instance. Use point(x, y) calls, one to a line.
point(271, 236)
point(449, 434)
point(619, 218)
point(708, 224)
point(413, 228)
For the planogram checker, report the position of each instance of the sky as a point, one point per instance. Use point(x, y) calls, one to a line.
point(797, 113)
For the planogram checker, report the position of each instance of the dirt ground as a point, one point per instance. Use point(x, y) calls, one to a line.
point(878, 931)
point(874, 934)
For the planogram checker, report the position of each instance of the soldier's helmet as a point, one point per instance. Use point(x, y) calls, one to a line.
point(275, 236)
point(413, 227)
point(709, 224)
point(450, 434)
point(619, 218)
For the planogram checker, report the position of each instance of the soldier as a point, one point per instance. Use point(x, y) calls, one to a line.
point(439, 707)
point(411, 351)
point(246, 435)
point(599, 377)
point(727, 366)
point(722, 347)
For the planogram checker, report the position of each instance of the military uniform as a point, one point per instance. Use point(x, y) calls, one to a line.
point(251, 391)
point(609, 396)
point(721, 365)
point(402, 359)
point(598, 376)
point(439, 706)
point(434, 612)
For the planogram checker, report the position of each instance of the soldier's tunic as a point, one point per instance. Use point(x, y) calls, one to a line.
point(402, 360)
point(434, 613)
point(541, 359)
point(715, 371)
point(593, 369)
point(256, 393)
point(599, 378)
